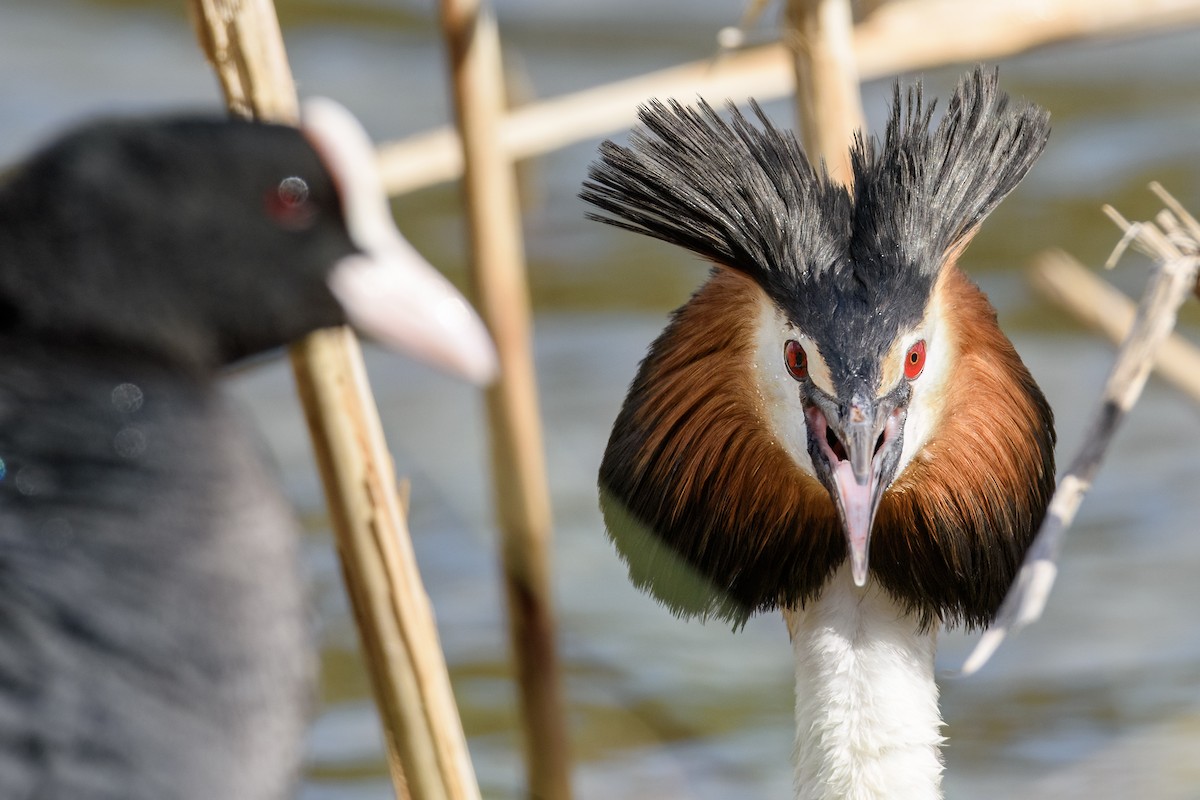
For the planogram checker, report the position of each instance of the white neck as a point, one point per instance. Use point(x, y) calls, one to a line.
point(867, 720)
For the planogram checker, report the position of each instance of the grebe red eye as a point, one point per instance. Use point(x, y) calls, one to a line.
point(796, 359)
point(288, 205)
point(914, 361)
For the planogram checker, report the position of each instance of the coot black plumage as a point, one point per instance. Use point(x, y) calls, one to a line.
point(153, 634)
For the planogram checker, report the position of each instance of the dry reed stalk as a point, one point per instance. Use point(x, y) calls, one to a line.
point(819, 34)
point(1061, 278)
point(1173, 241)
point(426, 747)
point(518, 463)
point(899, 36)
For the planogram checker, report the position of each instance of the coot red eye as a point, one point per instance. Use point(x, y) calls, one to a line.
point(288, 204)
point(796, 359)
point(914, 361)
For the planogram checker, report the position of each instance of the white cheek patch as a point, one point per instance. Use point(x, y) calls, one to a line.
point(780, 392)
point(924, 414)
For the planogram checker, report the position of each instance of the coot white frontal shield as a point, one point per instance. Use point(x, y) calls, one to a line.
point(389, 291)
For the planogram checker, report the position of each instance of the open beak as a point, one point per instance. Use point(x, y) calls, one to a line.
point(388, 291)
point(856, 453)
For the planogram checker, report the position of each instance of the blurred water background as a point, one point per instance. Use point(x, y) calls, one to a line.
point(1100, 700)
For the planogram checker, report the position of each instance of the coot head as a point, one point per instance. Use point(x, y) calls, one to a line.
point(204, 240)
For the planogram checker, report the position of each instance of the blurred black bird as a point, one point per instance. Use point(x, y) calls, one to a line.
point(153, 631)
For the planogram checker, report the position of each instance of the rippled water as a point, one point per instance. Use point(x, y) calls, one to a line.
point(1100, 700)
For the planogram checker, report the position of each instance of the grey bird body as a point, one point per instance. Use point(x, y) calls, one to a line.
point(153, 639)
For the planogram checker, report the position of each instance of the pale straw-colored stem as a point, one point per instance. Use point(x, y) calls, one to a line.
point(427, 749)
point(828, 103)
point(900, 36)
point(518, 463)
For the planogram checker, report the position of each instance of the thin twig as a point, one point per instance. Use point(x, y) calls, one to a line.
point(1131, 233)
point(1064, 281)
point(1169, 285)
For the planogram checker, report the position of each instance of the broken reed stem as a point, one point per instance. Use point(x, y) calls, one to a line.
point(1069, 284)
point(518, 463)
point(899, 36)
point(427, 751)
point(1173, 241)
